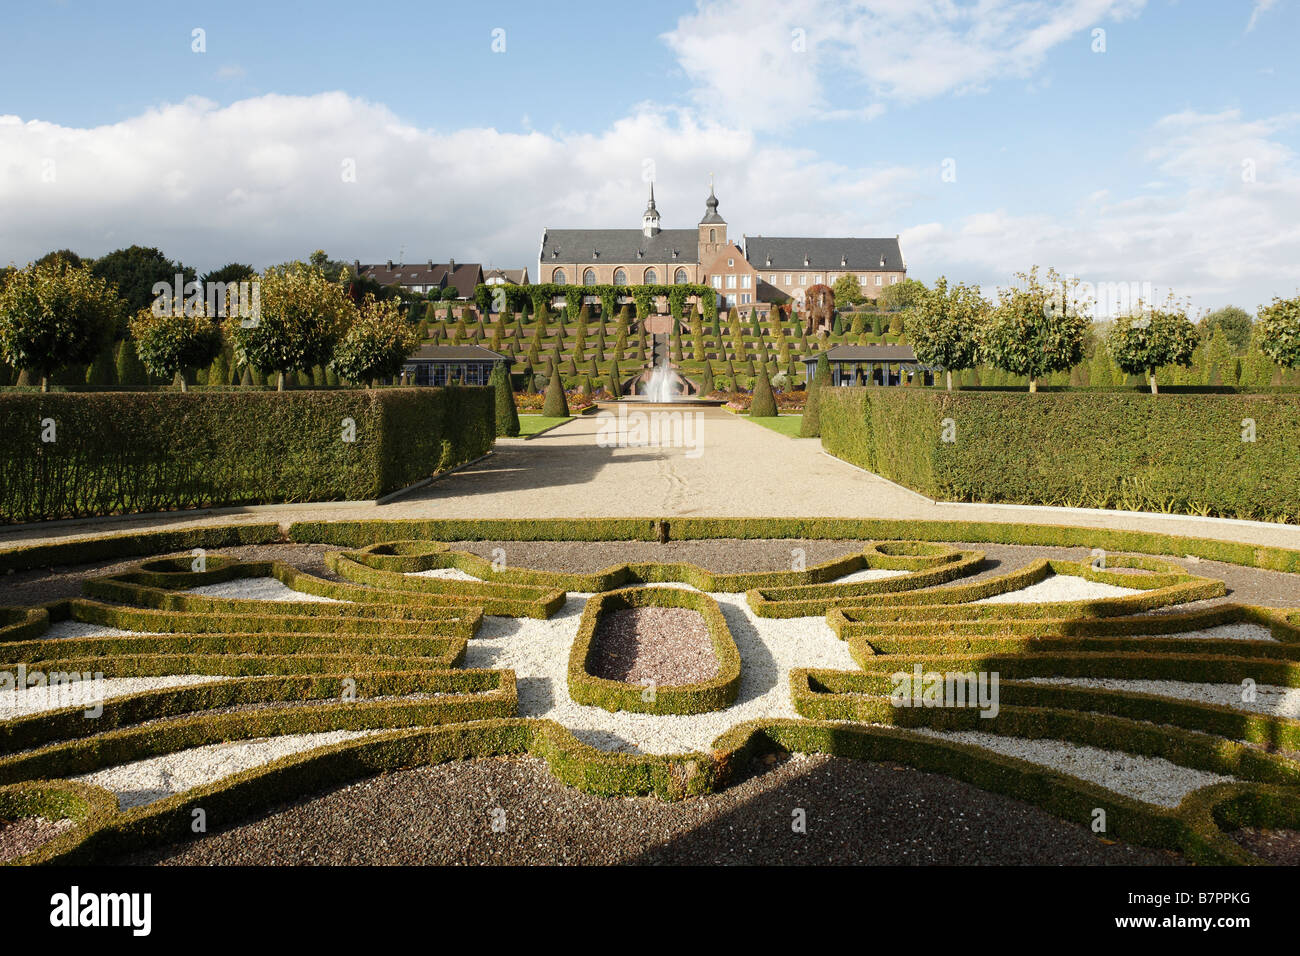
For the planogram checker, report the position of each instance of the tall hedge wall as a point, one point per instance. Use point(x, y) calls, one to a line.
point(116, 453)
point(1180, 454)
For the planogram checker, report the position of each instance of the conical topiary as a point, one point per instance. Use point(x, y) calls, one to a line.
point(706, 380)
point(555, 405)
point(615, 380)
point(763, 404)
point(101, 372)
point(130, 371)
point(811, 426)
point(507, 414)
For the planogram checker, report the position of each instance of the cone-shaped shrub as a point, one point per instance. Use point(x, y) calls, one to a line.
point(764, 404)
point(811, 426)
point(615, 379)
point(706, 380)
point(130, 371)
point(507, 415)
point(101, 372)
point(555, 404)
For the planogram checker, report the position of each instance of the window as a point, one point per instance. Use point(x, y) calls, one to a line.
point(651, 277)
point(744, 282)
point(730, 263)
point(817, 280)
point(679, 277)
point(620, 277)
point(744, 298)
point(772, 280)
point(731, 301)
point(862, 280)
point(558, 277)
point(803, 280)
point(787, 278)
point(731, 282)
point(893, 279)
point(830, 279)
point(717, 282)
point(713, 235)
point(880, 280)
point(589, 277)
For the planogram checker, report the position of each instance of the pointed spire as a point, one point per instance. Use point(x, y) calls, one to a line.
point(711, 205)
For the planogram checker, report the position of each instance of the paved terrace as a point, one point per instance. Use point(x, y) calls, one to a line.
point(733, 468)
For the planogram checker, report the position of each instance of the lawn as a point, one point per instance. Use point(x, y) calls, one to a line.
point(532, 425)
point(787, 425)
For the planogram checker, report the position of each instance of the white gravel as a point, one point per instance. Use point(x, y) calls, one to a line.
point(870, 574)
point(538, 652)
point(1225, 632)
point(62, 629)
point(1277, 701)
point(451, 574)
point(1059, 587)
point(83, 693)
point(141, 783)
point(260, 589)
point(1149, 779)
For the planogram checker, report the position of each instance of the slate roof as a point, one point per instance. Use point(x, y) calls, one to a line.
point(456, 353)
point(630, 246)
point(867, 353)
point(828, 255)
point(464, 278)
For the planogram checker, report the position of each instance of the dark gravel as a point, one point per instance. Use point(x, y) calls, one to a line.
point(856, 813)
point(19, 837)
point(663, 645)
point(1281, 847)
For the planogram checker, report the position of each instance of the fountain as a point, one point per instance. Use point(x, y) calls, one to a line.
point(663, 380)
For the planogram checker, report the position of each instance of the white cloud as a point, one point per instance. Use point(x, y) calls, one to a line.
point(262, 180)
point(1261, 7)
point(775, 63)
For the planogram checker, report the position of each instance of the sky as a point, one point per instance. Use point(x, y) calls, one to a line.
point(1145, 143)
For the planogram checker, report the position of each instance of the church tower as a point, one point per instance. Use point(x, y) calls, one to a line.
point(650, 218)
point(713, 228)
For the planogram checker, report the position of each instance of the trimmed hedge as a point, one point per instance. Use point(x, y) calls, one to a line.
point(1172, 453)
point(701, 697)
point(118, 453)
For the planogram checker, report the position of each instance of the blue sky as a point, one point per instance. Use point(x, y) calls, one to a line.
point(1124, 165)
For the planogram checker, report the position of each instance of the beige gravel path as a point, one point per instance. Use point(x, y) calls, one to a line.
point(736, 469)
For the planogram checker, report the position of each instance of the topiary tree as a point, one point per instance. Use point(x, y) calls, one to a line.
point(1037, 328)
point(706, 380)
point(811, 426)
point(943, 326)
point(55, 315)
point(378, 343)
point(1278, 331)
point(303, 316)
point(615, 380)
point(1152, 339)
point(763, 404)
point(555, 405)
point(100, 374)
point(847, 291)
point(820, 303)
point(171, 340)
point(506, 413)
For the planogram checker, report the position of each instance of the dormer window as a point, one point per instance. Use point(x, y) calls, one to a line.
point(674, 253)
point(844, 261)
point(769, 262)
point(731, 263)
point(882, 262)
point(595, 253)
point(640, 253)
point(806, 262)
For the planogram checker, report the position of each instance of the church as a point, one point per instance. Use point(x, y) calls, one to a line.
point(766, 270)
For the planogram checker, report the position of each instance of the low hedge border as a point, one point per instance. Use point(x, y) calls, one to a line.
point(460, 693)
point(506, 600)
point(408, 556)
point(85, 549)
point(90, 808)
point(696, 698)
point(851, 695)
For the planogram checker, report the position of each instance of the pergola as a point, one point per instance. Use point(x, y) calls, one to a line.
point(870, 365)
point(443, 364)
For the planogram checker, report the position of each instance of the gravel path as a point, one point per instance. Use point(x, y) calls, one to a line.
point(62, 629)
point(1225, 632)
point(260, 589)
point(83, 693)
point(1059, 587)
point(145, 781)
point(660, 646)
point(1277, 701)
point(1149, 779)
point(19, 837)
point(857, 813)
point(538, 652)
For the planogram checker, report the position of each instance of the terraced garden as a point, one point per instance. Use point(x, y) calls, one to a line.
point(1148, 692)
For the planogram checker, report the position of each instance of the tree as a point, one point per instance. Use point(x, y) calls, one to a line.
point(506, 414)
point(172, 340)
point(1037, 328)
point(900, 295)
point(811, 426)
point(303, 316)
point(62, 255)
point(555, 405)
point(848, 291)
point(820, 303)
point(1153, 339)
point(1235, 323)
point(1278, 331)
point(378, 343)
point(943, 326)
point(706, 380)
point(100, 373)
point(55, 315)
point(231, 272)
point(763, 404)
point(135, 271)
